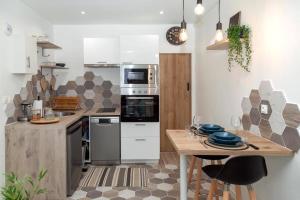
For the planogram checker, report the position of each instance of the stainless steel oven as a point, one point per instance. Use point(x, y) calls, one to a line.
point(136, 106)
point(139, 76)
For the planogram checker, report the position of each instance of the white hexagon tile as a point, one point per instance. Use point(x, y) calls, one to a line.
point(246, 105)
point(265, 90)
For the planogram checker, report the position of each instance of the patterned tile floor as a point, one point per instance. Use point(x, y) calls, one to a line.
point(163, 184)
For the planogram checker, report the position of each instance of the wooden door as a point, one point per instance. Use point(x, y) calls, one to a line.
point(175, 95)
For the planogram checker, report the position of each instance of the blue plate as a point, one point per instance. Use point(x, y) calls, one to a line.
point(238, 144)
point(225, 135)
point(227, 142)
point(210, 131)
point(211, 126)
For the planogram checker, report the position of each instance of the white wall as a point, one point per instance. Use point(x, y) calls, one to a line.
point(275, 27)
point(24, 21)
point(70, 38)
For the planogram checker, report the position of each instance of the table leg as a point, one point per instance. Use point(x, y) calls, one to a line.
point(183, 177)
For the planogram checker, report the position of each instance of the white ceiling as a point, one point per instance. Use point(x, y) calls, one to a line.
point(116, 11)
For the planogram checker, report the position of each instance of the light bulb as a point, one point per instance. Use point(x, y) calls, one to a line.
point(183, 35)
point(219, 35)
point(199, 9)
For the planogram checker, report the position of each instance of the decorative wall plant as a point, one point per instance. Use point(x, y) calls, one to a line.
point(239, 50)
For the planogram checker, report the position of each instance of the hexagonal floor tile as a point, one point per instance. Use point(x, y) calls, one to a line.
point(291, 138)
point(255, 98)
point(126, 194)
point(71, 85)
point(94, 194)
point(265, 90)
point(161, 175)
point(277, 101)
point(143, 193)
point(246, 105)
point(291, 115)
point(255, 116)
point(165, 187)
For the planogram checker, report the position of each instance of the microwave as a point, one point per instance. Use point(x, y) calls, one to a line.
point(134, 76)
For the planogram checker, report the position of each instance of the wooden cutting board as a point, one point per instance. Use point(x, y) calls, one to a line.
point(45, 121)
point(44, 84)
point(66, 103)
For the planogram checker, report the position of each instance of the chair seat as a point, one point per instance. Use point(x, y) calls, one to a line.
point(207, 157)
point(212, 170)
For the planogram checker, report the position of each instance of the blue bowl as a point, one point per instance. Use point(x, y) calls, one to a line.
point(237, 144)
point(211, 127)
point(225, 135)
point(211, 131)
point(226, 142)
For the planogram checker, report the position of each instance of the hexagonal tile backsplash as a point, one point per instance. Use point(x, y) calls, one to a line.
point(93, 91)
point(281, 124)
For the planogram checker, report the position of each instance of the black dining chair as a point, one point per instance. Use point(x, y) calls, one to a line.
point(200, 159)
point(240, 171)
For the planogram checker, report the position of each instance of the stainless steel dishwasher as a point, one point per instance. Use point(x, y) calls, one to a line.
point(105, 140)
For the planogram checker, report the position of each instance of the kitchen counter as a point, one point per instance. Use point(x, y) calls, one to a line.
point(31, 147)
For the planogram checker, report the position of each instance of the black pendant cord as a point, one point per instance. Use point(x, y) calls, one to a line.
point(219, 10)
point(183, 10)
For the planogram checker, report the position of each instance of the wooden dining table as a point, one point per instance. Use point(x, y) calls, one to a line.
point(187, 145)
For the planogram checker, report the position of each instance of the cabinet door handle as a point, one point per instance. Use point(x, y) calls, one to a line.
point(140, 124)
point(140, 140)
point(102, 62)
point(28, 61)
point(126, 63)
point(188, 86)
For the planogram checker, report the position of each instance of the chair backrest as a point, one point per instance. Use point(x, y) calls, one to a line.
point(243, 170)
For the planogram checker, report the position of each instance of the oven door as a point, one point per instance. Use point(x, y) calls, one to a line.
point(140, 108)
point(138, 75)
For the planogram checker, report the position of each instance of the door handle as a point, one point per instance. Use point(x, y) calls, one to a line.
point(140, 124)
point(140, 140)
point(188, 86)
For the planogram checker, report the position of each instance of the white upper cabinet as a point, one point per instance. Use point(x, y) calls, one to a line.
point(139, 49)
point(24, 54)
point(104, 50)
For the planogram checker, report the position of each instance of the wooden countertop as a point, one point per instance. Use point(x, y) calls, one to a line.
point(185, 144)
point(64, 121)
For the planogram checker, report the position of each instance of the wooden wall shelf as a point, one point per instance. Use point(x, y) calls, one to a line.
point(48, 45)
point(102, 65)
point(222, 45)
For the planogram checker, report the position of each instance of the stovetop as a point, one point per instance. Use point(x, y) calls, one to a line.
point(106, 110)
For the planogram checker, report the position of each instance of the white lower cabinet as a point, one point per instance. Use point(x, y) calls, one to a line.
point(140, 142)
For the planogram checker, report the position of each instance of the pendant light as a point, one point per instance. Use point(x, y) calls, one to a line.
point(183, 34)
point(219, 34)
point(199, 9)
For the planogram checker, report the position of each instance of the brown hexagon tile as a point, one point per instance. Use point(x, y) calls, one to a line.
point(89, 76)
point(89, 103)
point(107, 93)
point(89, 85)
point(71, 85)
point(291, 138)
point(98, 89)
point(110, 194)
point(156, 180)
point(158, 193)
point(265, 116)
point(291, 115)
point(255, 98)
point(246, 121)
point(62, 90)
point(80, 89)
point(265, 128)
point(88, 189)
point(143, 193)
point(118, 198)
point(277, 139)
point(174, 193)
point(170, 180)
point(17, 100)
point(255, 116)
point(107, 85)
point(34, 80)
point(29, 86)
point(107, 103)
point(94, 194)
point(35, 92)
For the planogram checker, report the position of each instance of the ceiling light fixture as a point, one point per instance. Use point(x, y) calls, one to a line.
point(82, 12)
point(161, 12)
point(219, 34)
point(199, 9)
point(183, 34)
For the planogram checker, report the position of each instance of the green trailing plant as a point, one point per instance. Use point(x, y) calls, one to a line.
point(239, 50)
point(26, 188)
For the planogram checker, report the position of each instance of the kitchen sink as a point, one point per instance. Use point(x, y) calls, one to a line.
point(64, 113)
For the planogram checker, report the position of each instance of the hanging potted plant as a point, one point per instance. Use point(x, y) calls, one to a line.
point(239, 50)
